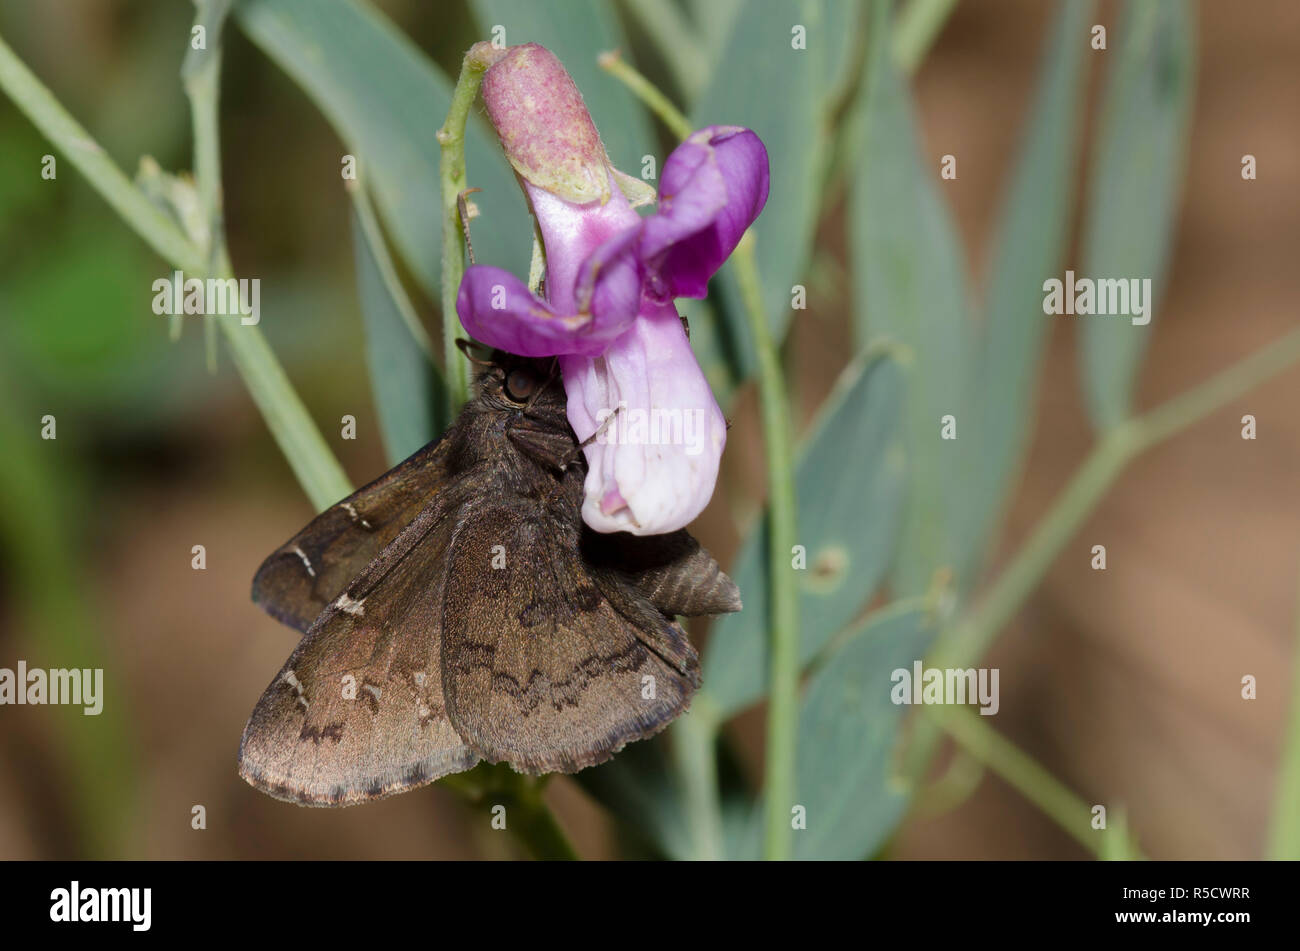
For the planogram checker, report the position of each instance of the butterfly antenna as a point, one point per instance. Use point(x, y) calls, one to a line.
point(463, 345)
point(573, 456)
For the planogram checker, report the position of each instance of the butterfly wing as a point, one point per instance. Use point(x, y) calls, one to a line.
point(673, 571)
point(539, 667)
point(357, 712)
point(302, 576)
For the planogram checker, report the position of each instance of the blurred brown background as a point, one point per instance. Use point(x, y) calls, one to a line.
point(1123, 683)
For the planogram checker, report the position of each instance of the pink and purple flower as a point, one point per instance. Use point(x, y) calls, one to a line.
point(611, 277)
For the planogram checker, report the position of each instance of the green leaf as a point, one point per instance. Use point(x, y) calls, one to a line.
point(848, 730)
point(850, 484)
point(407, 386)
point(1032, 231)
point(386, 100)
point(911, 290)
point(1137, 173)
point(782, 93)
point(578, 31)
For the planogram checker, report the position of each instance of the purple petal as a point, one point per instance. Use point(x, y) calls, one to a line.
point(499, 310)
point(610, 283)
point(653, 466)
point(713, 187)
point(571, 233)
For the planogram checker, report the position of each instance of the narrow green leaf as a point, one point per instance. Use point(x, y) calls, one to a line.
point(911, 289)
point(386, 100)
point(578, 31)
point(1136, 177)
point(850, 483)
point(849, 729)
point(1032, 231)
point(407, 386)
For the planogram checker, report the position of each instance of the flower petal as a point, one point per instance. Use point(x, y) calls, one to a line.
point(571, 234)
point(609, 284)
point(653, 466)
point(498, 309)
point(713, 187)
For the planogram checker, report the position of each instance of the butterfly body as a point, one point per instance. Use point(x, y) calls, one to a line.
point(457, 609)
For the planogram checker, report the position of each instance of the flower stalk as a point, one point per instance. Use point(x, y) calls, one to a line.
point(783, 675)
point(451, 170)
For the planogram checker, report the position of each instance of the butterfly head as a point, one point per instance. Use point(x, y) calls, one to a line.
point(522, 384)
point(518, 418)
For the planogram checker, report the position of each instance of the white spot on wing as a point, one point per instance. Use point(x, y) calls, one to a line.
point(306, 562)
point(352, 513)
point(355, 608)
point(292, 680)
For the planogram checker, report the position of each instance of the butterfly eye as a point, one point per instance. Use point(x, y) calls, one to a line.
point(520, 385)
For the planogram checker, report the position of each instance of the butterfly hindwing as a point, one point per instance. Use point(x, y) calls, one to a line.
point(540, 670)
point(302, 576)
point(672, 571)
point(357, 712)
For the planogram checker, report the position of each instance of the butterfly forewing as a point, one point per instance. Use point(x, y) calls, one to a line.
point(311, 569)
point(357, 712)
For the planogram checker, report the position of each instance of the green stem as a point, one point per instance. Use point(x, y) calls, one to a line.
point(783, 679)
point(1089, 484)
point(526, 813)
point(536, 827)
point(647, 92)
point(1033, 782)
point(1186, 408)
point(451, 170)
point(201, 78)
point(694, 738)
point(300, 441)
point(1284, 838)
point(971, 637)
